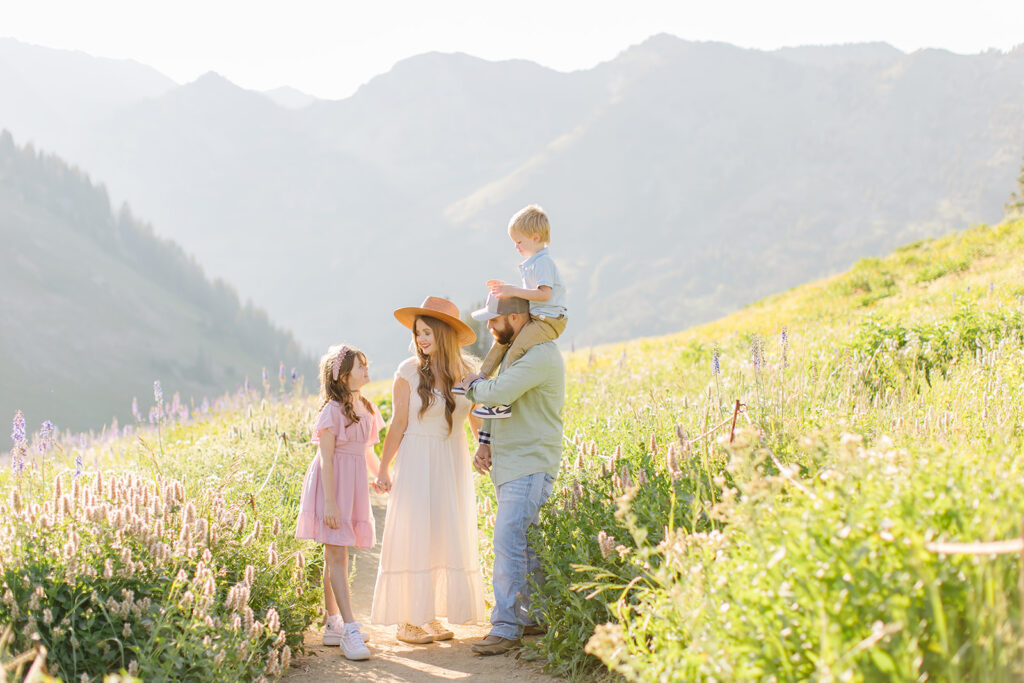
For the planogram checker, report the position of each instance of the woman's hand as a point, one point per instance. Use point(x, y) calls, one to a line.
point(331, 517)
point(383, 482)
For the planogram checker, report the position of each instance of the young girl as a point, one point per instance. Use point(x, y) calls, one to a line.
point(335, 504)
point(429, 564)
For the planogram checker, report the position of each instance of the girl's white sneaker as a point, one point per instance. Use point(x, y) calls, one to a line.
point(352, 644)
point(332, 632)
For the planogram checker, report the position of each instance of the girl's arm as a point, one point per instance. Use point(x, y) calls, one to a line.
point(372, 463)
point(396, 429)
point(327, 477)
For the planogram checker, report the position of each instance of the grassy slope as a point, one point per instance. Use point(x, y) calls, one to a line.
point(630, 399)
point(915, 283)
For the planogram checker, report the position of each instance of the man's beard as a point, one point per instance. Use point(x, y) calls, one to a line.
point(503, 334)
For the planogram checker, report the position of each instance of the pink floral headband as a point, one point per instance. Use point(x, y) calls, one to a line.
point(338, 360)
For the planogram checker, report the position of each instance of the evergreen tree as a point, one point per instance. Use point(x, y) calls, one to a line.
point(1016, 205)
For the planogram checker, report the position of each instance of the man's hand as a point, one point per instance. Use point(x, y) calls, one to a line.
point(469, 379)
point(482, 459)
point(501, 288)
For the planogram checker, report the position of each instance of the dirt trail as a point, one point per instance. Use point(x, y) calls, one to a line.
point(392, 660)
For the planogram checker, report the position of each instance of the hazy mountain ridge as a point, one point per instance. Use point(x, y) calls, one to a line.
point(96, 307)
point(683, 179)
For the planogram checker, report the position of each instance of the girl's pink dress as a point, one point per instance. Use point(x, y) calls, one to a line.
point(356, 527)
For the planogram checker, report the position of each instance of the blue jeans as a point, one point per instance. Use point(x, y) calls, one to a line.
point(519, 503)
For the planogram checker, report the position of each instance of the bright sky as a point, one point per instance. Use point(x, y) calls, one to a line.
point(328, 48)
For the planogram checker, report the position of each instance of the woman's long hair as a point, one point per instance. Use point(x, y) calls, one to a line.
point(337, 389)
point(447, 363)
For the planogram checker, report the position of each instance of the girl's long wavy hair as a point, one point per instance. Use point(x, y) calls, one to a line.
point(447, 363)
point(337, 390)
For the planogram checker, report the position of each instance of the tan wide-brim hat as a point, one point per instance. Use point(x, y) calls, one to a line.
point(442, 309)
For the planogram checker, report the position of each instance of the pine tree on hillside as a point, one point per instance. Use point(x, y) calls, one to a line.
point(1016, 206)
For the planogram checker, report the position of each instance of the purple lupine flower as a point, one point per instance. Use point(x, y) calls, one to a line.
point(295, 375)
point(245, 387)
point(18, 429)
point(785, 347)
point(45, 436)
point(756, 352)
point(266, 377)
point(158, 392)
point(205, 406)
point(153, 415)
point(716, 364)
point(175, 402)
point(78, 464)
point(135, 409)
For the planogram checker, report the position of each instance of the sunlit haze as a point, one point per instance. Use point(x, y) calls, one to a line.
point(328, 48)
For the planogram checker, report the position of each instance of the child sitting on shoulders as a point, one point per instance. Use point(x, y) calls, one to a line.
point(542, 286)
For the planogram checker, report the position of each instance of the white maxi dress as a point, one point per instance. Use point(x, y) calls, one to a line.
point(429, 559)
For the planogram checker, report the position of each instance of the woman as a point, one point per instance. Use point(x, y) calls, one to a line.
point(429, 560)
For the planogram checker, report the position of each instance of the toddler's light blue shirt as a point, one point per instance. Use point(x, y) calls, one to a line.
point(540, 270)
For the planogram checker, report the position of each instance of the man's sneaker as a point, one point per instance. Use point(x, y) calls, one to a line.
point(352, 644)
point(332, 632)
point(439, 632)
point(493, 412)
point(407, 633)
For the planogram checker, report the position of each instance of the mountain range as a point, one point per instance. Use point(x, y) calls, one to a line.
point(95, 307)
point(683, 179)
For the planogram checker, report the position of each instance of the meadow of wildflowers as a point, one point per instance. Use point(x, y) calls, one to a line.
point(747, 500)
point(162, 551)
point(874, 412)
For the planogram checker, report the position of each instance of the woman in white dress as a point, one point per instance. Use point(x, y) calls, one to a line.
point(429, 560)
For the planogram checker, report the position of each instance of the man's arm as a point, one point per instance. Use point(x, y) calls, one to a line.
point(511, 383)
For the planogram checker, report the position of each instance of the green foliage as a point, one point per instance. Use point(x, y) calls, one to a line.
point(797, 551)
point(933, 271)
point(894, 352)
point(869, 282)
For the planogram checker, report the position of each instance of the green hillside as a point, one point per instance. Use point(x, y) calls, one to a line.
point(888, 417)
point(95, 307)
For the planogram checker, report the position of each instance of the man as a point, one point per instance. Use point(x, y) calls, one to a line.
point(522, 453)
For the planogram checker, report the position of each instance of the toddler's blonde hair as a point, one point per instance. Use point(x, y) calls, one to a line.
point(531, 221)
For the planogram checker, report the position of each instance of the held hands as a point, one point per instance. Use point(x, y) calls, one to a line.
point(482, 459)
point(331, 517)
point(501, 288)
point(382, 484)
